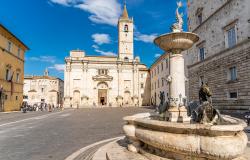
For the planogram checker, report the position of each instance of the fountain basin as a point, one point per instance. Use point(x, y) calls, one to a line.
point(186, 140)
point(176, 41)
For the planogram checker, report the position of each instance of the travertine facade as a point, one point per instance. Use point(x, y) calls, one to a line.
point(159, 72)
point(45, 88)
point(12, 52)
point(108, 80)
point(222, 56)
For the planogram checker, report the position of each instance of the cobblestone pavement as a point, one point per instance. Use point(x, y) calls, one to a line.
point(54, 136)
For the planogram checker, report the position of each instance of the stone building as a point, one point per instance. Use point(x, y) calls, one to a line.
point(12, 52)
point(159, 72)
point(222, 56)
point(108, 80)
point(44, 88)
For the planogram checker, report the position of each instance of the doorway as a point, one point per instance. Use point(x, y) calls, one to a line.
point(76, 99)
point(102, 97)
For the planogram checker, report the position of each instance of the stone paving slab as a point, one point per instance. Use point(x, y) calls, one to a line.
point(116, 151)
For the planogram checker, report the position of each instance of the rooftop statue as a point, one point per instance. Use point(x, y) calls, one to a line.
point(177, 27)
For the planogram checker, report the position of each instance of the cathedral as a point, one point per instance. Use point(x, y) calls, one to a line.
point(112, 81)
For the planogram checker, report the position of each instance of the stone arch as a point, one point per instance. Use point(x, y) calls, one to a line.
point(76, 98)
point(102, 85)
point(102, 93)
point(126, 59)
point(127, 98)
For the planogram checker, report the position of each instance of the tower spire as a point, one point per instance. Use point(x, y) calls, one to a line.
point(125, 12)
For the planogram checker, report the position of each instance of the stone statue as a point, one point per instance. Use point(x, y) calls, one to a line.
point(177, 27)
point(163, 106)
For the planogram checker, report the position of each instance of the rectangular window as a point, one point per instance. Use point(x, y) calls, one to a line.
point(162, 82)
point(199, 18)
point(233, 73)
point(231, 37)
point(16, 97)
point(161, 66)
point(155, 85)
point(7, 73)
point(166, 63)
point(233, 95)
point(6, 97)
point(19, 52)
point(142, 85)
point(17, 77)
point(102, 71)
point(9, 46)
point(158, 83)
point(42, 90)
point(201, 53)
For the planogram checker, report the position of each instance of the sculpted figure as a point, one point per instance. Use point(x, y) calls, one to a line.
point(163, 106)
point(206, 113)
point(177, 27)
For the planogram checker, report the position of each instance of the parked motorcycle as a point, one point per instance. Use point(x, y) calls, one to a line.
point(24, 107)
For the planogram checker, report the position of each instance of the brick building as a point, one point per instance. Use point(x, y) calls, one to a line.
point(12, 52)
point(159, 72)
point(222, 56)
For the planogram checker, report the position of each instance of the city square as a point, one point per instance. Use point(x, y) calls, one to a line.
point(134, 91)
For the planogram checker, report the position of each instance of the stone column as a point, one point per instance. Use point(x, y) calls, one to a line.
point(67, 84)
point(176, 79)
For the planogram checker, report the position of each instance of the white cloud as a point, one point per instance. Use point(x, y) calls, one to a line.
point(100, 38)
point(103, 52)
point(102, 11)
point(95, 46)
point(58, 67)
point(61, 2)
point(147, 38)
point(49, 59)
point(157, 55)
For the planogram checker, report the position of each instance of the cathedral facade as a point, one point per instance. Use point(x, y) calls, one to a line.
point(111, 81)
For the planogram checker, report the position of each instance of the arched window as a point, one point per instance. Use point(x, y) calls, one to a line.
point(126, 59)
point(126, 28)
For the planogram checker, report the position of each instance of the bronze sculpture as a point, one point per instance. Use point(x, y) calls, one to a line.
point(164, 105)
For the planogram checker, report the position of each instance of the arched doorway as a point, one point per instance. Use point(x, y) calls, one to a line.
point(127, 98)
point(102, 93)
point(76, 99)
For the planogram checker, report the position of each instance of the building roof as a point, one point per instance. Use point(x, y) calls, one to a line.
point(159, 59)
point(125, 12)
point(4, 28)
point(42, 77)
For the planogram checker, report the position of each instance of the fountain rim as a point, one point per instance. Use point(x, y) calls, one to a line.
point(143, 119)
point(177, 33)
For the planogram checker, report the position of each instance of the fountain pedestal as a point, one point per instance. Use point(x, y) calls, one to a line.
point(177, 111)
point(177, 114)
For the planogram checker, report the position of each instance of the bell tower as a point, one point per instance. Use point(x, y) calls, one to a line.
point(126, 37)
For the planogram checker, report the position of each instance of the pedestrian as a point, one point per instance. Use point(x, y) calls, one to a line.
point(50, 109)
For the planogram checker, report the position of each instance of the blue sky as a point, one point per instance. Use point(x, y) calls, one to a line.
point(51, 28)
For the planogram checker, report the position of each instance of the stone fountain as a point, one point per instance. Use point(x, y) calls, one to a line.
point(177, 137)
